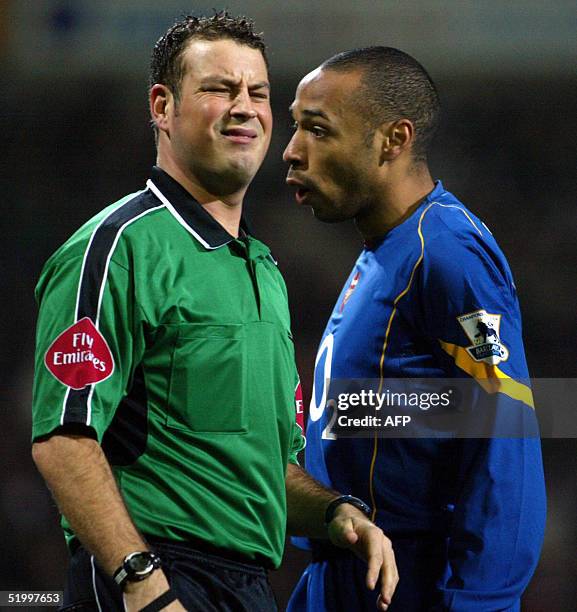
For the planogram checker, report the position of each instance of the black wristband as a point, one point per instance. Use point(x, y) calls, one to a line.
point(160, 602)
point(346, 499)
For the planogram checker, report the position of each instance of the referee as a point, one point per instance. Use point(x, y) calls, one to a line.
point(164, 396)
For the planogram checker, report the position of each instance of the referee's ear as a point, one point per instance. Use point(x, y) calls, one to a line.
point(161, 100)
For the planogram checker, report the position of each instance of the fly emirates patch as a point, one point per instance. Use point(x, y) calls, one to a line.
point(80, 356)
point(299, 407)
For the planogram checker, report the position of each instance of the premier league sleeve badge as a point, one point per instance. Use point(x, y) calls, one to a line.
point(482, 329)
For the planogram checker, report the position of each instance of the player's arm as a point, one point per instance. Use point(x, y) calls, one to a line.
point(497, 522)
point(307, 502)
point(497, 529)
point(83, 486)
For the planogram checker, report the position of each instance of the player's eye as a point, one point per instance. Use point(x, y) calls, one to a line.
point(261, 95)
point(317, 131)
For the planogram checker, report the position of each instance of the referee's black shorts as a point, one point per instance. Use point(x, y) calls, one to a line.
point(203, 582)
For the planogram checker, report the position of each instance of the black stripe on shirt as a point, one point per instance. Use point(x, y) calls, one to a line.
point(92, 280)
point(125, 439)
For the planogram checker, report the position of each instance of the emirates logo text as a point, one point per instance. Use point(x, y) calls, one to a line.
point(80, 356)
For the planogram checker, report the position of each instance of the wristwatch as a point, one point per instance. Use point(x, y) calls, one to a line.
point(135, 567)
point(346, 499)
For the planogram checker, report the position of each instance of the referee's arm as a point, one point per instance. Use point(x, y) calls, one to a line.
point(82, 484)
point(307, 501)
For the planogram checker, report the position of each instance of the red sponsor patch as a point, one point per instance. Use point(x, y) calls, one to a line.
point(80, 356)
point(299, 407)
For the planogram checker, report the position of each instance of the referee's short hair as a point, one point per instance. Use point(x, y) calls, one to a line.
point(166, 65)
point(393, 86)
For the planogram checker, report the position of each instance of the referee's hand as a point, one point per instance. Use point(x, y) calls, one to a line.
point(138, 595)
point(351, 529)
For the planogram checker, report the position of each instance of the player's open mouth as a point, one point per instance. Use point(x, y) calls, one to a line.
point(239, 135)
point(302, 189)
point(301, 194)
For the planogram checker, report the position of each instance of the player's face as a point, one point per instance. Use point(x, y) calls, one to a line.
point(220, 129)
point(331, 163)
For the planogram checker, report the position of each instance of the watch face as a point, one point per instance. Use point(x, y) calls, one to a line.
point(140, 563)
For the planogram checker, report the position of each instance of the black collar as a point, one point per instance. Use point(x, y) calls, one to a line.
point(188, 212)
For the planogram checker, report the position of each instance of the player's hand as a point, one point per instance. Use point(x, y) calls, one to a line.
point(137, 595)
point(351, 529)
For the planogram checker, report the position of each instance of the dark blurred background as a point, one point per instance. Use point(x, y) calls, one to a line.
point(74, 123)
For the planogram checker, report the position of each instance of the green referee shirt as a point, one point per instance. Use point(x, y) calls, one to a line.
point(169, 341)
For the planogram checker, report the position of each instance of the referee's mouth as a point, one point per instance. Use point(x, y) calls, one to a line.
point(240, 135)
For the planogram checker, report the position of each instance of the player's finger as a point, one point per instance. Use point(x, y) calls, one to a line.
point(381, 605)
point(350, 537)
point(389, 573)
point(375, 565)
point(344, 535)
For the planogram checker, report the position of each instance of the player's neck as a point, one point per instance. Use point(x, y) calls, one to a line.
point(227, 211)
point(396, 200)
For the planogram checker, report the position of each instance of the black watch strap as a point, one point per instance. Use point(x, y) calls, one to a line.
point(160, 602)
point(346, 499)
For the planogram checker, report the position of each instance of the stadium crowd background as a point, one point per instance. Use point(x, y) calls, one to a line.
point(75, 135)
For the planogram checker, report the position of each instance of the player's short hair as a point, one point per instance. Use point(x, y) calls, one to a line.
point(393, 86)
point(166, 65)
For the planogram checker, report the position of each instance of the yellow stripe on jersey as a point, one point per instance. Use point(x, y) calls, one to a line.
point(490, 377)
point(371, 484)
point(382, 362)
point(403, 292)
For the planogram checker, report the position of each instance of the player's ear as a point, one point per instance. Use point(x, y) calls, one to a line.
point(395, 137)
point(161, 101)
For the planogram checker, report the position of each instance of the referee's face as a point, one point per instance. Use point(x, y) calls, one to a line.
point(331, 164)
point(219, 130)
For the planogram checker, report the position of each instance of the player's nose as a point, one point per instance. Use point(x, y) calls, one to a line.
point(294, 153)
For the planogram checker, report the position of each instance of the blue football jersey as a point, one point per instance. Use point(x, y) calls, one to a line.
point(435, 298)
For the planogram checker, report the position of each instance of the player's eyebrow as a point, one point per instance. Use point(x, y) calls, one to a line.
point(311, 112)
